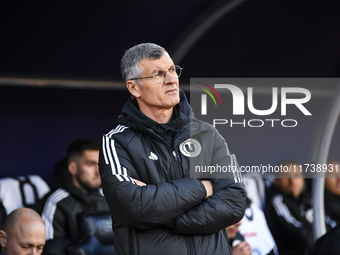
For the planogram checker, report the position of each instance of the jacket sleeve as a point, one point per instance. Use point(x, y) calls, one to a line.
point(142, 207)
point(56, 224)
point(225, 207)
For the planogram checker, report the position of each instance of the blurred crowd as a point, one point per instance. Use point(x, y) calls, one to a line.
point(46, 218)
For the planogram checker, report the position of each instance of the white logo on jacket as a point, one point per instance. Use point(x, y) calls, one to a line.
point(153, 156)
point(190, 148)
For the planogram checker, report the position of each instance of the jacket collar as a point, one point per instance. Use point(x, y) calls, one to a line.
point(135, 119)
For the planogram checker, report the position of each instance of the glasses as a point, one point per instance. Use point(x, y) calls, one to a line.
point(160, 75)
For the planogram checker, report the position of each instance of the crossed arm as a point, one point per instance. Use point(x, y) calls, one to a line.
point(207, 185)
point(187, 206)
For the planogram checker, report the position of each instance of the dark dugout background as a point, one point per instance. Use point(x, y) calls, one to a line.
point(60, 79)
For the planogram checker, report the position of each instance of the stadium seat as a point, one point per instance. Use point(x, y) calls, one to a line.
point(22, 191)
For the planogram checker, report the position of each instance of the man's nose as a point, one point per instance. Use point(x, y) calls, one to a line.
point(170, 78)
point(291, 181)
point(97, 170)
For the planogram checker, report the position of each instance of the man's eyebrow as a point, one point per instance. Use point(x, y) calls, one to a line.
point(27, 244)
point(161, 69)
point(154, 70)
point(91, 161)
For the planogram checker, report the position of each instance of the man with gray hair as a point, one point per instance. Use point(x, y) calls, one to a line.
point(145, 167)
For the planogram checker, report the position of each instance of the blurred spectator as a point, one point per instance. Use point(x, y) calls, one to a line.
point(23, 233)
point(332, 193)
point(255, 231)
point(289, 210)
point(328, 244)
point(79, 192)
point(237, 243)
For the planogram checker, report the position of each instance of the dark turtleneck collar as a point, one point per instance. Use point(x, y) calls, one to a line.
point(181, 113)
point(135, 119)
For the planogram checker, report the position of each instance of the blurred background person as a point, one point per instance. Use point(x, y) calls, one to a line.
point(255, 231)
point(252, 232)
point(332, 193)
point(78, 192)
point(289, 210)
point(237, 243)
point(23, 233)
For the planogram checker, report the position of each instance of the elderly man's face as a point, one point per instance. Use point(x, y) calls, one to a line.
point(153, 95)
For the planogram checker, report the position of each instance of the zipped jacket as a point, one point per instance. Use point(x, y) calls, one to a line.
point(59, 210)
point(169, 215)
point(290, 220)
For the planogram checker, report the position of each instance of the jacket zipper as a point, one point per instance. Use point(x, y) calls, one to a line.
point(175, 161)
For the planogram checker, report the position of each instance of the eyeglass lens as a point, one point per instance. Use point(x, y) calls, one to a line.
point(161, 74)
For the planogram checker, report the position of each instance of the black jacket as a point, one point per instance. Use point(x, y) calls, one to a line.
point(290, 220)
point(328, 244)
point(169, 215)
point(332, 209)
point(59, 210)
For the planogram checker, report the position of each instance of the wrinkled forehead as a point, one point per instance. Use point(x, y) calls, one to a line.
point(153, 65)
point(141, 56)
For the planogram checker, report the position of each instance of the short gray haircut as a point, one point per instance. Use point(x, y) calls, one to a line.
point(129, 65)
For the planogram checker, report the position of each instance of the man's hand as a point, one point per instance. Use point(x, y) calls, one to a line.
point(208, 188)
point(243, 248)
point(139, 183)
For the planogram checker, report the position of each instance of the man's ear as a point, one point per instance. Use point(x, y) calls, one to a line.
point(72, 167)
point(133, 88)
point(3, 239)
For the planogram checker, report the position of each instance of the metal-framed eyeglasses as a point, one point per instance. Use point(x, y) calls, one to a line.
point(160, 75)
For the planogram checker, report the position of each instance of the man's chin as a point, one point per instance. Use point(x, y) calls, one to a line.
point(92, 187)
point(95, 187)
point(173, 103)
